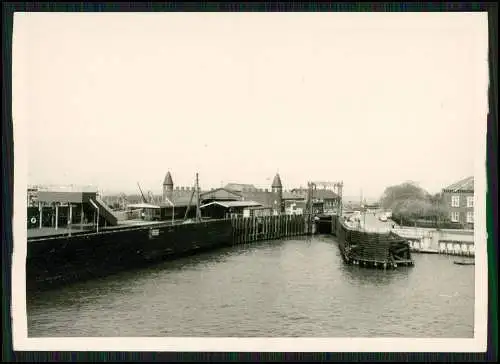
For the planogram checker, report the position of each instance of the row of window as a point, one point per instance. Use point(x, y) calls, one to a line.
point(455, 216)
point(455, 201)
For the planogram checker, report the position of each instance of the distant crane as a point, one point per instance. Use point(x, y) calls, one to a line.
point(142, 194)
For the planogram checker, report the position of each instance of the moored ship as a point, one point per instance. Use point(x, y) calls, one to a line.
point(378, 249)
point(64, 247)
point(55, 260)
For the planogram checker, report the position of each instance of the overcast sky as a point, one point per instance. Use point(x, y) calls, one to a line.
point(369, 98)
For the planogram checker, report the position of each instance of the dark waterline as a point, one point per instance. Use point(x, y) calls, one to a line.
point(290, 288)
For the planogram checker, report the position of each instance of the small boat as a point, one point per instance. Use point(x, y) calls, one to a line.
point(464, 262)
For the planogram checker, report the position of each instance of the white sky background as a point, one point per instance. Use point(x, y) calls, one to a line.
point(369, 98)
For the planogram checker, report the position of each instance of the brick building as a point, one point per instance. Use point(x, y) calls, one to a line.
point(458, 199)
point(269, 199)
point(325, 201)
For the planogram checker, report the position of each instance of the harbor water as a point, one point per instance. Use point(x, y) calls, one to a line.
point(290, 288)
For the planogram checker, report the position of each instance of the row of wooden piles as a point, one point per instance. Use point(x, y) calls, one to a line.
point(373, 249)
point(380, 249)
point(250, 229)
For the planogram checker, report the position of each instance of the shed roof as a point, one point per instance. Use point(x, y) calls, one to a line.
point(265, 198)
point(143, 206)
point(179, 201)
point(466, 184)
point(238, 187)
point(320, 194)
point(228, 204)
point(65, 196)
point(67, 188)
point(292, 196)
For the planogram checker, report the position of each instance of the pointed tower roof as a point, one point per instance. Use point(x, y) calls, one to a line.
point(168, 180)
point(277, 181)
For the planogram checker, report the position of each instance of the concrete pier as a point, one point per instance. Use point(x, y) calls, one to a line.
point(445, 241)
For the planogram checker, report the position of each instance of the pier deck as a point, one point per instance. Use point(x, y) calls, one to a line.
point(50, 231)
point(77, 229)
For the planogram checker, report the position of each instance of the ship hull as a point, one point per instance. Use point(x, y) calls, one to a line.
point(369, 249)
point(55, 261)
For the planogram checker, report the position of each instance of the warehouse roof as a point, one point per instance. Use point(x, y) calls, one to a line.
point(466, 184)
point(228, 204)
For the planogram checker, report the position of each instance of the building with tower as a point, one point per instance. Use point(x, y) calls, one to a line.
point(277, 190)
point(168, 187)
point(258, 201)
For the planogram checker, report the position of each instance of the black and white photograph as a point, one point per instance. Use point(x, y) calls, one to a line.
point(203, 181)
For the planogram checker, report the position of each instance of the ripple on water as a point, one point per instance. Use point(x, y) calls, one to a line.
point(278, 288)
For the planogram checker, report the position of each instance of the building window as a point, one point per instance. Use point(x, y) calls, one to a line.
point(470, 201)
point(470, 217)
point(455, 201)
point(455, 216)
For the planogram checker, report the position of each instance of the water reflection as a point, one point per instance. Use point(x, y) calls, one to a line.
point(357, 275)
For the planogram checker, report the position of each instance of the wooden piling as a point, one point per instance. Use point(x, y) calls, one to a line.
point(278, 233)
point(240, 230)
point(271, 227)
point(255, 229)
point(247, 229)
point(254, 235)
point(234, 230)
point(264, 227)
point(276, 227)
point(254, 223)
point(280, 219)
point(250, 229)
point(268, 228)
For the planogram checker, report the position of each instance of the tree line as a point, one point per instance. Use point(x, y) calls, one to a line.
point(410, 202)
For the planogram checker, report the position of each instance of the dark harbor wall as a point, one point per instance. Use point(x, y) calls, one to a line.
point(57, 260)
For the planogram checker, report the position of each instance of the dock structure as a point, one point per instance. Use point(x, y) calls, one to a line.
point(371, 248)
point(69, 208)
point(438, 241)
point(252, 229)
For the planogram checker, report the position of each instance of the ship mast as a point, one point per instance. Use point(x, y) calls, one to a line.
point(198, 211)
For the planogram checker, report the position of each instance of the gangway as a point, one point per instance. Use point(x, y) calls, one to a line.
point(105, 211)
